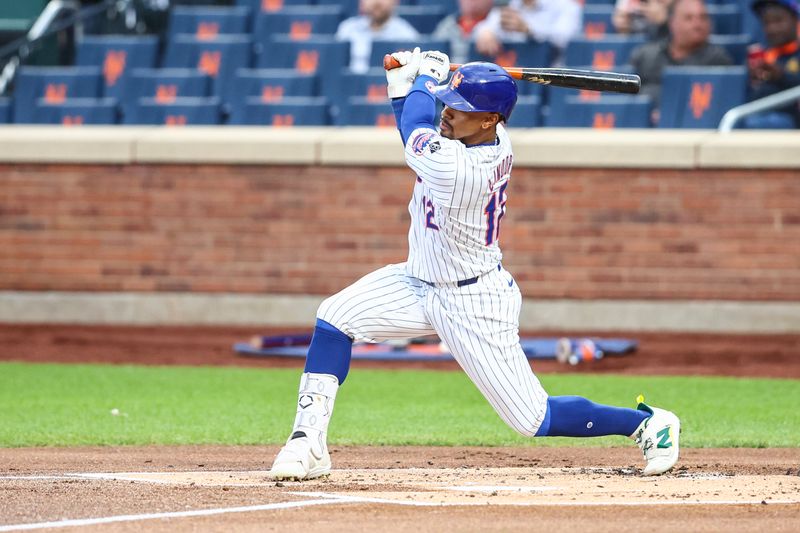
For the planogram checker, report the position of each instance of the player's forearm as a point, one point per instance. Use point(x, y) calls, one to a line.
point(397, 107)
point(419, 109)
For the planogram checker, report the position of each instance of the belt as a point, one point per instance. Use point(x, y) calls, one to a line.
point(463, 282)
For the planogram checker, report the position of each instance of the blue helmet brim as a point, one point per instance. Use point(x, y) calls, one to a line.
point(452, 99)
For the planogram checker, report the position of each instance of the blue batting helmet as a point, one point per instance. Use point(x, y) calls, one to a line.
point(477, 87)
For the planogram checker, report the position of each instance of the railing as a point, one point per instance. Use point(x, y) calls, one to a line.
point(772, 101)
point(57, 16)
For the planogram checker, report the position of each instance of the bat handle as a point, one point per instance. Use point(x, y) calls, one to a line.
point(390, 63)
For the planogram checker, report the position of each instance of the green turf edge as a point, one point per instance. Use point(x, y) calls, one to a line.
point(70, 405)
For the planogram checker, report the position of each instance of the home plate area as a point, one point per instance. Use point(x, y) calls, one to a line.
point(500, 486)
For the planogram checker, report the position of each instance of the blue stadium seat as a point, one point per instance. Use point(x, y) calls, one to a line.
point(601, 54)
point(726, 19)
point(597, 21)
point(180, 112)
point(273, 6)
point(164, 85)
point(518, 54)
point(371, 85)
point(736, 46)
point(77, 111)
point(599, 2)
point(55, 85)
point(527, 113)
point(296, 111)
point(424, 18)
point(5, 110)
point(610, 111)
point(208, 22)
point(697, 97)
point(382, 47)
point(361, 111)
point(299, 23)
point(450, 6)
point(323, 56)
point(117, 55)
point(557, 97)
point(219, 58)
point(270, 85)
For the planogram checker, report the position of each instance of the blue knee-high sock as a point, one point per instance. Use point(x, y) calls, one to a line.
point(574, 416)
point(329, 352)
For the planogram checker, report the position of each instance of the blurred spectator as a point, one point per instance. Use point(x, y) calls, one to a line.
point(376, 21)
point(553, 21)
point(647, 17)
point(458, 28)
point(777, 67)
point(687, 45)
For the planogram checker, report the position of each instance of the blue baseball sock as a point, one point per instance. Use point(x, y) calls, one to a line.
point(574, 416)
point(329, 352)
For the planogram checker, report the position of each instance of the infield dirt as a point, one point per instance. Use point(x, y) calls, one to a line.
point(397, 488)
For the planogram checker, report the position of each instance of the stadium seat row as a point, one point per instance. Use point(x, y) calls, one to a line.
point(301, 21)
point(693, 97)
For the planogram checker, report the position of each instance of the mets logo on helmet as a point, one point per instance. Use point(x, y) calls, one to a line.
point(456, 81)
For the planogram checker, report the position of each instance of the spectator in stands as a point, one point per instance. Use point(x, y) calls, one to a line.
point(776, 68)
point(687, 45)
point(553, 21)
point(376, 21)
point(458, 28)
point(647, 17)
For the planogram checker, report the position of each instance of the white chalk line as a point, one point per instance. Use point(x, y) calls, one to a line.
point(325, 498)
point(156, 516)
point(412, 503)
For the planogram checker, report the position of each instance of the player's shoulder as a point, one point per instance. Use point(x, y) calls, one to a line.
point(427, 142)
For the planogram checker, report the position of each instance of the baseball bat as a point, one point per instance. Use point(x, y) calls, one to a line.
point(589, 80)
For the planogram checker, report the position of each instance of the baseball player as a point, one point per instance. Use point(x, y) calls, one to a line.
point(453, 283)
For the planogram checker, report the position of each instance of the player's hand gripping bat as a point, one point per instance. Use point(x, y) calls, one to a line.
point(590, 80)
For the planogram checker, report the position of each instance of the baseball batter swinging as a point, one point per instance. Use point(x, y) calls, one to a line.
point(453, 283)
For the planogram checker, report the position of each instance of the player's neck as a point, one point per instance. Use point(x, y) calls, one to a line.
point(481, 137)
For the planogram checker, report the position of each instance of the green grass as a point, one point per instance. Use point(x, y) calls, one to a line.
point(67, 405)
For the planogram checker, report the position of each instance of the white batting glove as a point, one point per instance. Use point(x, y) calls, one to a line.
point(400, 79)
point(435, 64)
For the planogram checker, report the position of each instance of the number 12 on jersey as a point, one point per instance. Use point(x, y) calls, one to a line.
point(495, 209)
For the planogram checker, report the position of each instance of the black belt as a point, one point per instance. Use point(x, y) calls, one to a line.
point(463, 282)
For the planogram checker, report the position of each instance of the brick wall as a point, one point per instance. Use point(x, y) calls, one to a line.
point(571, 233)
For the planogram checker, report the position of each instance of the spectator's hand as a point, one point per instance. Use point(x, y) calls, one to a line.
point(766, 72)
point(511, 20)
point(435, 64)
point(656, 11)
point(399, 80)
point(487, 43)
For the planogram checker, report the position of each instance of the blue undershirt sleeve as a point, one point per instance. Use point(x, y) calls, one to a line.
point(419, 110)
point(397, 107)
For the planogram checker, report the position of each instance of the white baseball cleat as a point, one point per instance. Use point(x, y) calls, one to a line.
point(658, 437)
point(297, 460)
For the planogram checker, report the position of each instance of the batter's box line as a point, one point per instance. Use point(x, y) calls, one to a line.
point(80, 522)
point(361, 499)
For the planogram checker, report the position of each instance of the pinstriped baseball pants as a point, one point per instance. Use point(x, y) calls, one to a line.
point(478, 322)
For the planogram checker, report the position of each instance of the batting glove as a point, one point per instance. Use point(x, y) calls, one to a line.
point(435, 64)
point(400, 79)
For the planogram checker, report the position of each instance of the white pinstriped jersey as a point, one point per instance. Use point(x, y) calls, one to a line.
point(458, 203)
